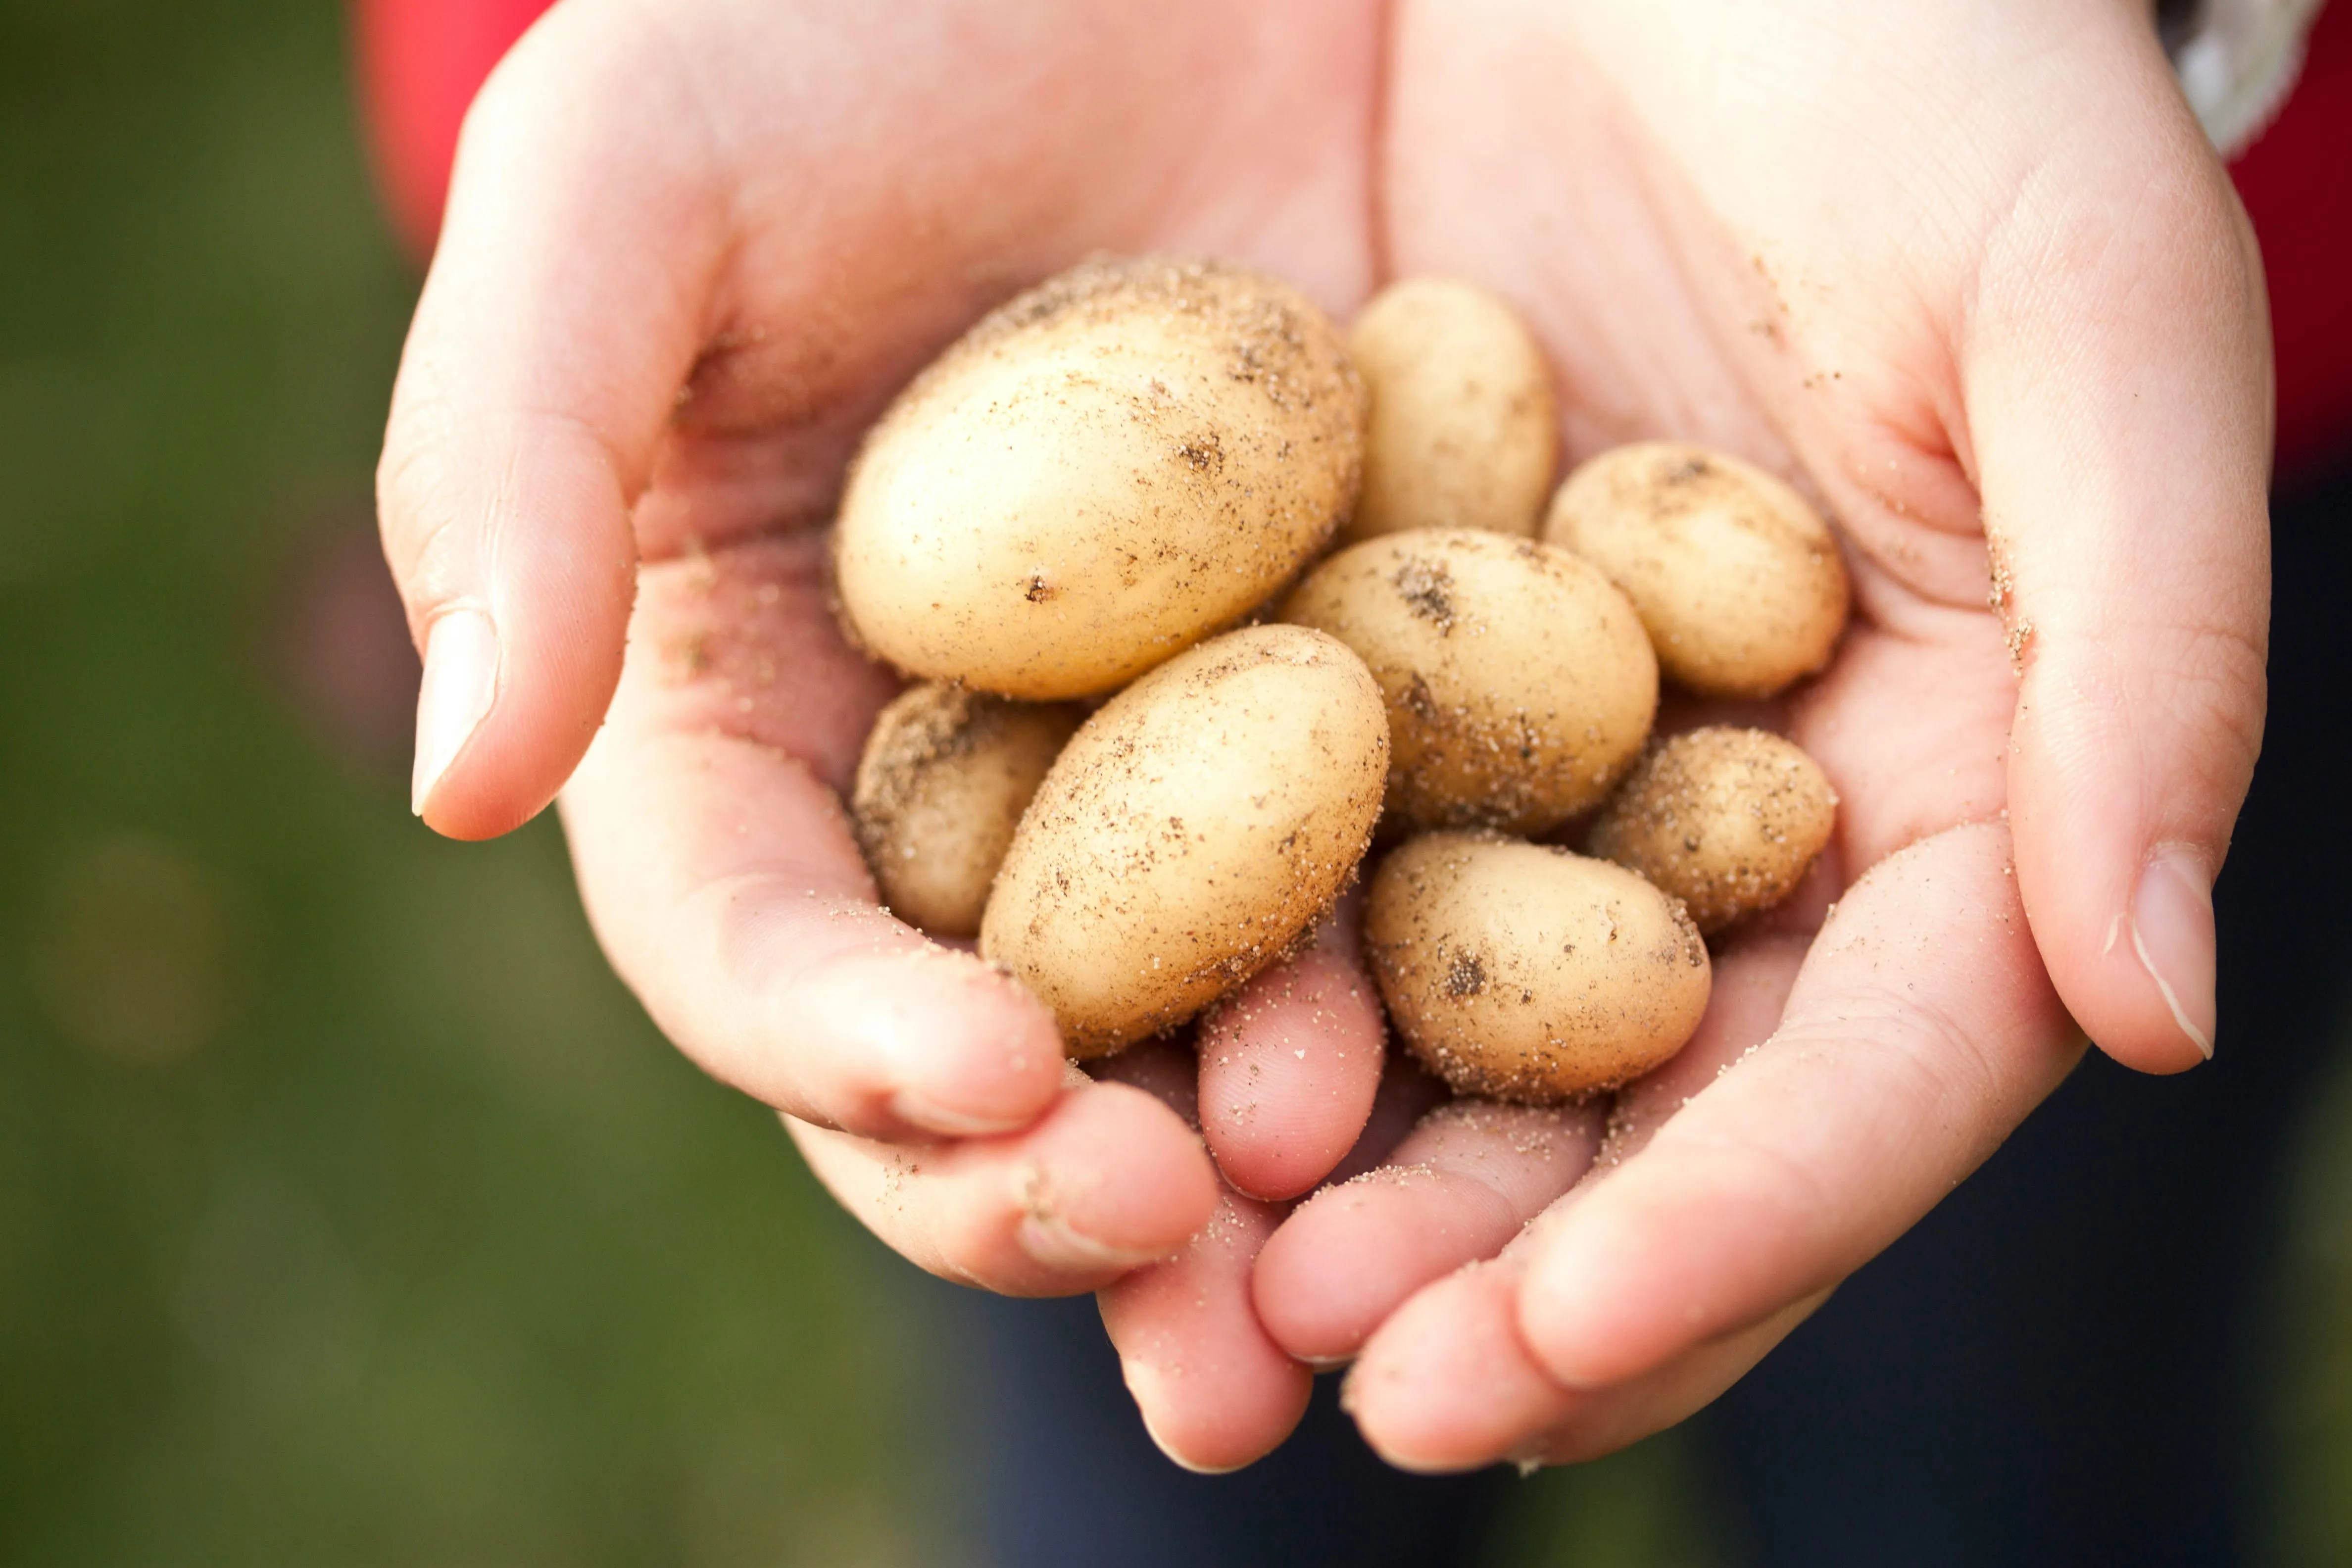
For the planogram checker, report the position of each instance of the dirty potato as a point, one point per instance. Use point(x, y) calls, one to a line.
point(1102, 472)
point(1525, 972)
point(1463, 432)
point(1518, 682)
point(1738, 579)
point(1191, 834)
point(1725, 819)
point(946, 775)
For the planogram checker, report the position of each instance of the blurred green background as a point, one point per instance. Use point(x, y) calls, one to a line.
point(349, 1211)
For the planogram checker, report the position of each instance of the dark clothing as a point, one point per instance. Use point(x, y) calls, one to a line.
point(2061, 1364)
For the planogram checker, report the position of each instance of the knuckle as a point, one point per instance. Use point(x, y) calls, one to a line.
point(418, 511)
point(2219, 685)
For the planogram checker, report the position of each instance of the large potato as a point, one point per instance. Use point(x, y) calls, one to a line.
point(1725, 819)
point(945, 776)
point(1191, 834)
point(1463, 433)
point(1524, 972)
point(1519, 683)
point(1098, 475)
point(1739, 580)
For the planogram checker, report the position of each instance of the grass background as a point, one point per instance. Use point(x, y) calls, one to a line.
point(349, 1211)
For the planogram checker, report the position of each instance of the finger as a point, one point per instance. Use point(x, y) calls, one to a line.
point(1554, 1426)
point(1919, 1032)
point(1447, 1383)
point(1290, 1063)
point(562, 315)
point(1466, 1182)
point(1749, 998)
point(2115, 372)
point(1407, 1093)
point(1215, 1390)
point(1602, 1422)
point(1108, 1180)
point(721, 876)
point(1455, 1190)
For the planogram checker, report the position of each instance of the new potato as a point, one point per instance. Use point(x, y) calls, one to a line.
point(1739, 580)
point(1524, 972)
point(945, 776)
point(1191, 834)
point(1723, 818)
point(1463, 433)
point(1102, 472)
point(1519, 683)
point(1080, 493)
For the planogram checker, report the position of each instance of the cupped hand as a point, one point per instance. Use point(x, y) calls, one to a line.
point(1970, 271)
point(1967, 269)
point(691, 250)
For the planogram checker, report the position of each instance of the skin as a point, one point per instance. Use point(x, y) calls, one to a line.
point(1964, 269)
point(1289, 1065)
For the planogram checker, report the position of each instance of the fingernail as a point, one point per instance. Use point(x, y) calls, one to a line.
point(1052, 1242)
point(955, 1060)
point(918, 1110)
point(461, 679)
point(1051, 1239)
point(1177, 1459)
point(2172, 932)
point(1147, 1384)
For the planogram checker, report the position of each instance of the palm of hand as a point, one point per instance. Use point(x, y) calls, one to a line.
point(790, 215)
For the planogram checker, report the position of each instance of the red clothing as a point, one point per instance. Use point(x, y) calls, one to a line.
point(420, 62)
point(2296, 182)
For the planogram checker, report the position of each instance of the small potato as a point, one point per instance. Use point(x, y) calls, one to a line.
point(1463, 433)
point(1098, 475)
point(946, 775)
point(1191, 834)
point(1524, 972)
point(1738, 579)
point(1725, 819)
point(1518, 682)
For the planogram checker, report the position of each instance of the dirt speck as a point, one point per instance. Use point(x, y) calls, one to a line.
point(1426, 586)
point(1467, 977)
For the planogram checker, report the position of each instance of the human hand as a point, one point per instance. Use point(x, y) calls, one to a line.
point(690, 252)
point(1971, 270)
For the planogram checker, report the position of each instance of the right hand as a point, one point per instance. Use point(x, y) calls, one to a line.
point(691, 250)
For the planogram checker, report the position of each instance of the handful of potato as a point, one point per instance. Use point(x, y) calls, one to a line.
point(1145, 754)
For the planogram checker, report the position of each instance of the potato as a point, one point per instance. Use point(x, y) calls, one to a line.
point(1519, 684)
point(1738, 579)
point(1098, 475)
point(1191, 834)
point(1463, 433)
point(1524, 972)
point(1725, 819)
point(945, 776)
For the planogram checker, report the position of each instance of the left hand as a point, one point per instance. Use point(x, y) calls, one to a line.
point(1969, 269)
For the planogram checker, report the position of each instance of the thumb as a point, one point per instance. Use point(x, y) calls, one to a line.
point(561, 318)
point(2115, 372)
